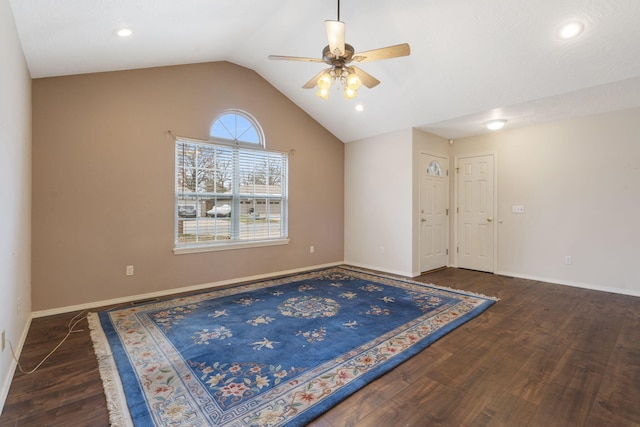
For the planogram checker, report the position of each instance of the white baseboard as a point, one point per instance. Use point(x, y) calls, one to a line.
point(630, 292)
point(127, 299)
point(6, 383)
point(381, 269)
point(213, 285)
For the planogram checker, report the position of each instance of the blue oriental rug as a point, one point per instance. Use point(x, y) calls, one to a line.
point(271, 353)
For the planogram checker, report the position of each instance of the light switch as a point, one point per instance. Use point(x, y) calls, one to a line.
point(517, 209)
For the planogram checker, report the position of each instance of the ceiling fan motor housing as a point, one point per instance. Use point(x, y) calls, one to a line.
point(336, 61)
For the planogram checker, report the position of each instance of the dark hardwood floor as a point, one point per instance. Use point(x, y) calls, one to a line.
point(545, 355)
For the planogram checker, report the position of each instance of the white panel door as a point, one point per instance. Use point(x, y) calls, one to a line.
point(475, 225)
point(433, 212)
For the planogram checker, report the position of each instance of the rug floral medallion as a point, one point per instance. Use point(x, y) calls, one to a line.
point(275, 352)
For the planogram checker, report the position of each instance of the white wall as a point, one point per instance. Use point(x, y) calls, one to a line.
point(378, 203)
point(15, 192)
point(579, 181)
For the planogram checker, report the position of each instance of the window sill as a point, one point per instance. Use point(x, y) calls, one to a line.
point(228, 246)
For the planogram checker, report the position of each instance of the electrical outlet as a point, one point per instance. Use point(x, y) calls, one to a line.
point(18, 305)
point(312, 249)
point(2, 340)
point(129, 271)
point(568, 260)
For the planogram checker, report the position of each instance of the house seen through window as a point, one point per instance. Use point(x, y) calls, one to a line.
point(230, 190)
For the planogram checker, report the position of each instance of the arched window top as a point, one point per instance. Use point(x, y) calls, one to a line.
point(434, 168)
point(237, 127)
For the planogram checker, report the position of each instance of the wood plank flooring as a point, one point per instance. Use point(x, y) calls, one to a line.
point(545, 355)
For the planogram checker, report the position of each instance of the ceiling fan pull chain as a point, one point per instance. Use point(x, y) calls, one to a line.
point(338, 10)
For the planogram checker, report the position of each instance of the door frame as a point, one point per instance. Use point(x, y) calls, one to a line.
point(456, 214)
point(447, 227)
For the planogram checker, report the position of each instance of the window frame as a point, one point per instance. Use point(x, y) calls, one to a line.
point(260, 144)
point(241, 150)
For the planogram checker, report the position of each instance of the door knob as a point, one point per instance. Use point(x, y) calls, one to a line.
point(489, 219)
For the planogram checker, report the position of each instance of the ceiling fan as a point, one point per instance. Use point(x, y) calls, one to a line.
point(340, 55)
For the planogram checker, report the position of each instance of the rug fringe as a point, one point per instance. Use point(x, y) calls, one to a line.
point(403, 279)
point(116, 403)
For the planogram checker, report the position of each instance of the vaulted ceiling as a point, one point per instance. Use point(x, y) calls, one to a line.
point(470, 60)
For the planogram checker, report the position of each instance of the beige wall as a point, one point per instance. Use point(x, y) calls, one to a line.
point(579, 182)
point(103, 179)
point(15, 193)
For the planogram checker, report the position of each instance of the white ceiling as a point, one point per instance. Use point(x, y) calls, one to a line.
point(470, 60)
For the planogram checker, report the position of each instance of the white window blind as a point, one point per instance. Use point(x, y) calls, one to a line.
point(227, 194)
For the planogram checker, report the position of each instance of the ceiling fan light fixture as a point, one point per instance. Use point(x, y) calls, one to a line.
point(324, 82)
point(323, 93)
point(338, 55)
point(350, 93)
point(353, 81)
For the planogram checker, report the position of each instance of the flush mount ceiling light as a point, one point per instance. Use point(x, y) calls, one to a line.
point(124, 32)
point(339, 55)
point(571, 30)
point(495, 124)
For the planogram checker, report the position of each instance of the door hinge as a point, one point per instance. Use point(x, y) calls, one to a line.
point(457, 170)
point(446, 252)
point(447, 172)
point(447, 210)
point(457, 210)
point(457, 249)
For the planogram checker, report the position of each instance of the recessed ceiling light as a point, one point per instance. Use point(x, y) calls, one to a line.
point(124, 32)
point(571, 30)
point(359, 107)
point(495, 124)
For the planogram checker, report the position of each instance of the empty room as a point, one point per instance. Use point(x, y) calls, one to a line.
point(327, 213)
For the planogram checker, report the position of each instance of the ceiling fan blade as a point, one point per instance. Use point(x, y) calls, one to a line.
point(295, 58)
point(382, 53)
point(367, 79)
point(314, 80)
point(335, 35)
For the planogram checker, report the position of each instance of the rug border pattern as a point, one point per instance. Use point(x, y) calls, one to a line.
point(391, 349)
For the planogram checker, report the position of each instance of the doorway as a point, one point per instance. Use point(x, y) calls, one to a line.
point(475, 225)
point(434, 220)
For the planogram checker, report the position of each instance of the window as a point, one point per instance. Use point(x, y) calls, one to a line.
point(434, 168)
point(230, 191)
point(237, 127)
